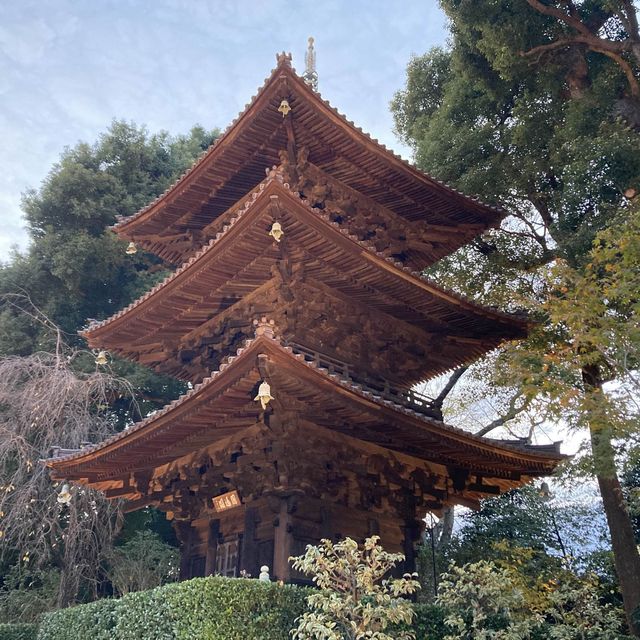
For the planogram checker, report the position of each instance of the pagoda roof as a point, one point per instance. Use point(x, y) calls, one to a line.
point(171, 225)
point(240, 259)
point(223, 406)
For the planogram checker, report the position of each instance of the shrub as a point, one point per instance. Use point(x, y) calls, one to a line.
point(96, 620)
point(143, 562)
point(358, 599)
point(428, 623)
point(212, 608)
point(483, 601)
point(18, 631)
point(27, 592)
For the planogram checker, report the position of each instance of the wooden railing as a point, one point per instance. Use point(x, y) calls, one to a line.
point(377, 386)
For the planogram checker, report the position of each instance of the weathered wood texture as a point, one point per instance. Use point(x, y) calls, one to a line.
point(334, 315)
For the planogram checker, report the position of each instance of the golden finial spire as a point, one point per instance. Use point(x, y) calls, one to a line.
point(310, 74)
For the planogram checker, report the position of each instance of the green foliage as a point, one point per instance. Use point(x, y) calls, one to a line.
point(27, 592)
point(428, 622)
point(487, 121)
point(524, 519)
point(358, 600)
point(142, 562)
point(483, 601)
point(18, 631)
point(96, 620)
point(212, 608)
point(593, 322)
point(549, 138)
point(74, 268)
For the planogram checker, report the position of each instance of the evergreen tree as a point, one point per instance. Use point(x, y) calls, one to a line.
point(535, 107)
point(75, 268)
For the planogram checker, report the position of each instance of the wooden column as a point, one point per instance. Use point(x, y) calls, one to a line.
point(326, 523)
point(282, 542)
point(184, 532)
point(212, 547)
point(412, 531)
point(249, 552)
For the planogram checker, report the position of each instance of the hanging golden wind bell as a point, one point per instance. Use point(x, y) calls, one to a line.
point(264, 394)
point(64, 497)
point(276, 231)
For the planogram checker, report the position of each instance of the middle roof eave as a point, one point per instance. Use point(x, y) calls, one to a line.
point(245, 238)
point(180, 427)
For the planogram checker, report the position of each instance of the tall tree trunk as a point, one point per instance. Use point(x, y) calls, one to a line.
point(625, 551)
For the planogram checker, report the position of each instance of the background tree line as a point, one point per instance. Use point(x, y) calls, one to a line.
point(534, 106)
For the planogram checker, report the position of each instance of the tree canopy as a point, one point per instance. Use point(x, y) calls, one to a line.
point(75, 268)
point(51, 393)
point(534, 106)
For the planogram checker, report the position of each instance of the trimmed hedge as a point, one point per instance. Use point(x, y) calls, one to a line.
point(18, 631)
point(210, 608)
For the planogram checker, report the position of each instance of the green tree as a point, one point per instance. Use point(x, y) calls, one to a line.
point(483, 601)
point(142, 562)
point(534, 107)
point(50, 391)
point(358, 600)
point(75, 268)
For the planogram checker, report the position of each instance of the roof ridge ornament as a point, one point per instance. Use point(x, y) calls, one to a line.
point(310, 75)
point(264, 327)
point(283, 59)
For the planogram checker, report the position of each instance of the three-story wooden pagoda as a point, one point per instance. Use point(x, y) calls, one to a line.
point(301, 319)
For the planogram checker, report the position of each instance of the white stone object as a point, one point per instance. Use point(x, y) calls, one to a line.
point(264, 574)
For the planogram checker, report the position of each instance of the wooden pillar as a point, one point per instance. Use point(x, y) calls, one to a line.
point(282, 542)
point(212, 547)
point(412, 531)
point(184, 532)
point(326, 524)
point(249, 552)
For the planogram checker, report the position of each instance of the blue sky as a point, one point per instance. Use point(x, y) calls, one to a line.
point(68, 67)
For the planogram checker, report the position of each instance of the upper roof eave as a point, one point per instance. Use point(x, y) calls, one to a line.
point(283, 73)
point(273, 185)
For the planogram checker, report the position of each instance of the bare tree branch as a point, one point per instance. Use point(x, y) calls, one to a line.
point(585, 36)
point(448, 387)
point(43, 404)
point(512, 411)
point(569, 19)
